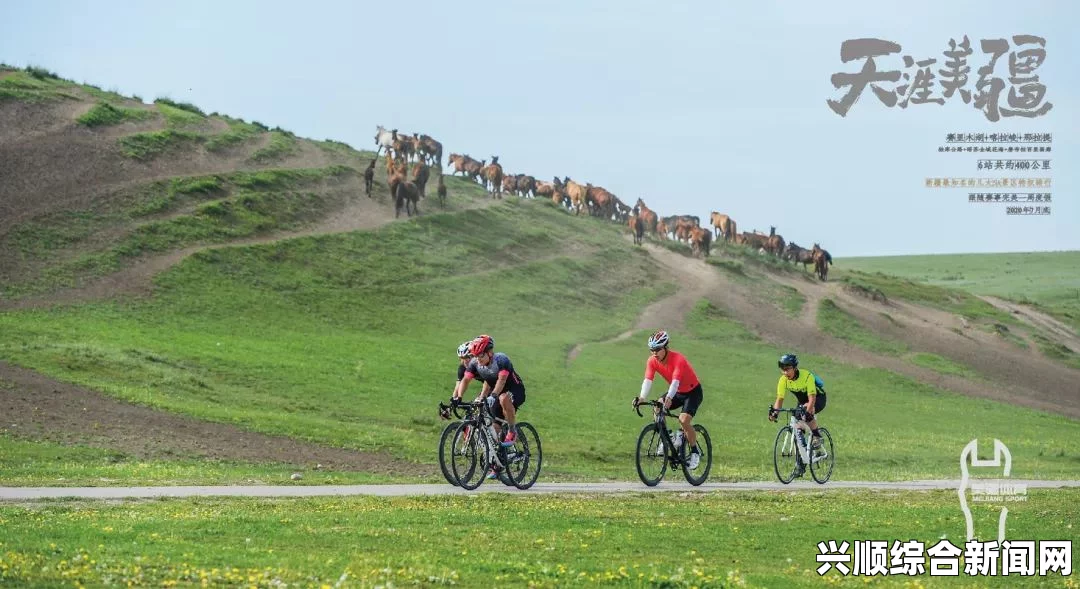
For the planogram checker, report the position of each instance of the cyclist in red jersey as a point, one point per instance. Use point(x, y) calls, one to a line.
point(684, 390)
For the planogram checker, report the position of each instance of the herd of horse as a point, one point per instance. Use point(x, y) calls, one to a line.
point(424, 152)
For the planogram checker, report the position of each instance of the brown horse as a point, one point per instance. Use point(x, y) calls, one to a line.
point(637, 228)
point(428, 148)
point(754, 240)
point(421, 174)
point(648, 215)
point(723, 225)
point(774, 244)
point(822, 261)
point(466, 165)
point(442, 190)
point(578, 195)
point(700, 240)
point(493, 175)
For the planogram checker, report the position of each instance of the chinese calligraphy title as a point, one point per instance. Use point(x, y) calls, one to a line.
point(1025, 96)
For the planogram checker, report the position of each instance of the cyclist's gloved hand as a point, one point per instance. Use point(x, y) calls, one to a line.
point(772, 414)
point(454, 401)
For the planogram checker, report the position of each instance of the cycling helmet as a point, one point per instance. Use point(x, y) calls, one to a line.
point(658, 340)
point(463, 349)
point(481, 344)
point(788, 360)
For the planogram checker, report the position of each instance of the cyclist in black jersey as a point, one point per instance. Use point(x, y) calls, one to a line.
point(463, 361)
point(501, 382)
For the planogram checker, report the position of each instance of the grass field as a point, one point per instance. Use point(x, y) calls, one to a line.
point(716, 539)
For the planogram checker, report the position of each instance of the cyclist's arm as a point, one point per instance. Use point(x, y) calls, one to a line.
point(646, 385)
point(781, 390)
point(462, 385)
point(500, 385)
point(676, 378)
point(504, 366)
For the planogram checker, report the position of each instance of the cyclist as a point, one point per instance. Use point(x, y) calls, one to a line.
point(684, 390)
point(463, 361)
point(501, 382)
point(810, 392)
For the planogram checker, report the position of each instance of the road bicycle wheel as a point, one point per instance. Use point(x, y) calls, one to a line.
point(527, 456)
point(821, 464)
point(468, 457)
point(651, 464)
point(697, 476)
point(784, 455)
point(445, 451)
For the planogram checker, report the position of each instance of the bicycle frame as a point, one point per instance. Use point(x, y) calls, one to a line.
point(660, 418)
point(797, 423)
point(485, 422)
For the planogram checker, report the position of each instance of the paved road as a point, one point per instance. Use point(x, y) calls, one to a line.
point(30, 493)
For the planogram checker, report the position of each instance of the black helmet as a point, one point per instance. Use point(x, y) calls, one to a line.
point(788, 360)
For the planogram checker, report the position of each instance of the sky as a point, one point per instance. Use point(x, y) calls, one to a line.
point(692, 106)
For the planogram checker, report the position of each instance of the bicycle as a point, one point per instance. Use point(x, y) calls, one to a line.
point(475, 450)
point(791, 442)
point(656, 444)
point(446, 438)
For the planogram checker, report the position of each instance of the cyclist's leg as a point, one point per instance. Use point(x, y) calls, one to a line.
point(819, 406)
point(679, 402)
point(508, 403)
point(497, 413)
point(802, 399)
point(686, 418)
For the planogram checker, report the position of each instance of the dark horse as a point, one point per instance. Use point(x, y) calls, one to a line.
point(799, 255)
point(369, 177)
point(404, 193)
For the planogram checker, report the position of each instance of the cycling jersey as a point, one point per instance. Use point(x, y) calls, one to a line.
point(460, 371)
point(805, 383)
point(674, 367)
point(499, 365)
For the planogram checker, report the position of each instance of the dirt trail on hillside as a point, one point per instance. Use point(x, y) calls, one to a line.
point(1036, 382)
point(40, 408)
point(1064, 333)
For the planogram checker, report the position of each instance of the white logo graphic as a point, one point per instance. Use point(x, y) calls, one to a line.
point(994, 490)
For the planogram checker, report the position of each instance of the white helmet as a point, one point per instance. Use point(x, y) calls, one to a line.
point(463, 349)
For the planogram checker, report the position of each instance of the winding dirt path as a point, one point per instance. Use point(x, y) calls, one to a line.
point(1037, 382)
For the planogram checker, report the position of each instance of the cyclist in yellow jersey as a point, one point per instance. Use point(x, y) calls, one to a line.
point(807, 388)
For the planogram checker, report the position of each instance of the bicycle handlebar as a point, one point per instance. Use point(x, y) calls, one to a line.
point(799, 411)
point(455, 408)
point(637, 408)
